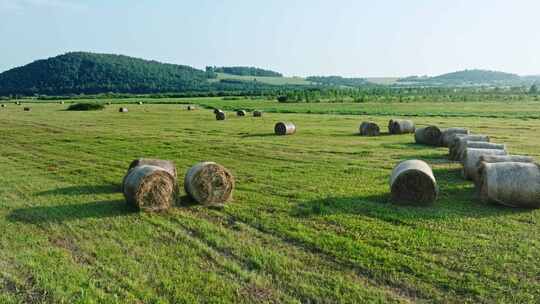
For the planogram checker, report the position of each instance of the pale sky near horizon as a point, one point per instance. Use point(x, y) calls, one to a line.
point(360, 38)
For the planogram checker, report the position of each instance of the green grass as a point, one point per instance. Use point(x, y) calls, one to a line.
point(310, 221)
point(266, 80)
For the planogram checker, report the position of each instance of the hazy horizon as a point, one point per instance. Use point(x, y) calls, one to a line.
point(302, 38)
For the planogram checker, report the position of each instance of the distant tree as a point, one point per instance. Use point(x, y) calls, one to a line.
point(534, 89)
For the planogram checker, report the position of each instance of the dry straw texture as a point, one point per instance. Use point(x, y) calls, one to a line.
point(209, 183)
point(149, 188)
point(430, 135)
point(413, 182)
point(369, 128)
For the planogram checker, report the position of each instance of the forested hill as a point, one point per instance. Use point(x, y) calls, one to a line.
point(244, 71)
point(467, 77)
point(91, 73)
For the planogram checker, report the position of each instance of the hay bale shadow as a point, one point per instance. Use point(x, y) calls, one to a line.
point(258, 135)
point(71, 212)
point(82, 190)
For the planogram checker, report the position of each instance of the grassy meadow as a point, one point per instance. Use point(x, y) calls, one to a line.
point(311, 220)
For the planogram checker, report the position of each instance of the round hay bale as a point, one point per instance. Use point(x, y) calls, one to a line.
point(369, 128)
point(27, 109)
point(209, 183)
point(449, 134)
point(430, 135)
point(18, 103)
point(3, 105)
point(491, 159)
point(460, 140)
point(413, 182)
point(460, 153)
point(191, 108)
point(149, 188)
point(284, 128)
point(166, 165)
point(471, 158)
point(514, 184)
point(220, 115)
point(241, 113)
point(257, 114)
point(401, 126)
point(217, 111)
point(123, 110)
point(61, 102)
point(140, 102)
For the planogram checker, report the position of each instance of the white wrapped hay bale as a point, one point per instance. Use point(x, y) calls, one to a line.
point(449, 134)
point(220, 115)
point(401, 126)
point(284, 128)
point(413, 182)
point(471, 158)
point(459, 143)
point(209, 183)
point(512, 184)
point(369, 128)
point(430, 135)
point(460, 154)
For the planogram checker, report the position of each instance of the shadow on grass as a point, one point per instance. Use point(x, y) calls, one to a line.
point(457, 199)
point(258, 135)
point(70, 212)
point(85, 189)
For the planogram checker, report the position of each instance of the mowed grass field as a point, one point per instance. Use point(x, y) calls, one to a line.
point(311, 220)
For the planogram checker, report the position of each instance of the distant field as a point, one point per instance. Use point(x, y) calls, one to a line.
point(267, 80)
point(382, 80)
point(311, 220)
point(527, 109)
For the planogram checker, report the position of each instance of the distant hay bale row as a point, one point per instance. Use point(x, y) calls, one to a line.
point(413, 182)
point(151, 185)
point(401, 126)
point(241, 113)
point(369, 128)
point(433, 136)
point(284, 128)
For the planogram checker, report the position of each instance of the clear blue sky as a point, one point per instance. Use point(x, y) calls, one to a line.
point(296, 37)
